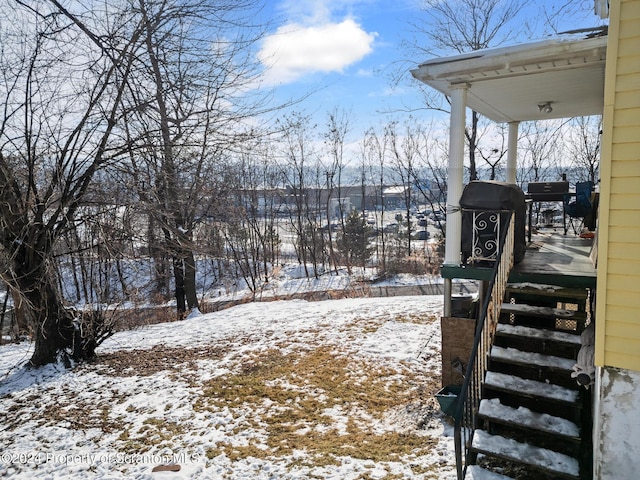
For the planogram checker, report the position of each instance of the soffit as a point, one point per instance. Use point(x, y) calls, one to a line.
point(507, 84)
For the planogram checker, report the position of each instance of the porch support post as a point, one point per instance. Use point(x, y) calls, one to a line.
point(455, 174)
point(512, 152)
point(453, 239)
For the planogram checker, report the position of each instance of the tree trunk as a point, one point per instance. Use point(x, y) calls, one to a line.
point(54, 331)
point(52, 325)
point(178, 278)
point(190, 280)
point(472, 137)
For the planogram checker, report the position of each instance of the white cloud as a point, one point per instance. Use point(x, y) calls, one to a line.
point(299, 49)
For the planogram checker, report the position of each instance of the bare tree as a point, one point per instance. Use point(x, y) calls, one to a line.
point(584, 147)
point(299, 162)
point(61, 92)
point(539, 144)
point(493, 150)
point(251, 222)
point(162, 86)
point(186, 115)
point(337, 129)
point(460, 27)
point(373, 167)
point(403, 152)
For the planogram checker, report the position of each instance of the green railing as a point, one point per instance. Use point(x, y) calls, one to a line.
point(471, 392)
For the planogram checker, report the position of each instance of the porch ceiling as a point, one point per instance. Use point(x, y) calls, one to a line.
point(508, 84)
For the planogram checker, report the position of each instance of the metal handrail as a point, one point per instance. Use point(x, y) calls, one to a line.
point(471, 392)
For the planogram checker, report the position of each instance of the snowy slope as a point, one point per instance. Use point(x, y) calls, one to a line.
point(172, 393)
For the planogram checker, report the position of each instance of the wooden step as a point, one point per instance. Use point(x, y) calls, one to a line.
point(531, 388)
point(548, 341)
point(548, 461)
point(535, 289)
point(494, 411)
point(540, 334)
point(532, 359)
point(474, 472)
point(542, 367)
point(543, 312)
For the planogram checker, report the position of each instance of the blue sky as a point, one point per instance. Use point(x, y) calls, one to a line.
point(345, 50)
point(340, 49)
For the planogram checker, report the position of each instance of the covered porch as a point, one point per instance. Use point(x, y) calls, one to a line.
point(521, 354)
point(550, 79)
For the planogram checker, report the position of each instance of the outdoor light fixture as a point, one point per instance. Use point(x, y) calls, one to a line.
point(545, 107)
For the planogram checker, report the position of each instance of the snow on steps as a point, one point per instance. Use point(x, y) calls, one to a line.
point(532, 388)
point(547, 290)
point(493, 410)
point(513, 355)
point(538, 334)
point(512, 450)
point(537, 311)
point(474, 472)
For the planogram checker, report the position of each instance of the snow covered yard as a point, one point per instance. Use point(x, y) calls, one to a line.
point(339, 389)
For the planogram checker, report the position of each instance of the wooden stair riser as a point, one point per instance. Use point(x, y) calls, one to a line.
point(575, 325)
point(518, 471)
point(568, 446)
point(545, 347)
point(579, 303)
point(538, 292)
point(535, 372)
point(558, 409)
point(545, 316)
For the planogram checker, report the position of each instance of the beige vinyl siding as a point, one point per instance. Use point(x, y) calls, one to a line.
point(625, 266)
point(625, 202)
point(624, 218)
point(623, 298)
point(618, 294)
point(625, 169)
point(629, 28)
point(620, 283)
point(623, 330)
point(630, 99)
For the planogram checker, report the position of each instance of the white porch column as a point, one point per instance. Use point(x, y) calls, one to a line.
point(512, 152)
point(455, 174)
point(453, 238)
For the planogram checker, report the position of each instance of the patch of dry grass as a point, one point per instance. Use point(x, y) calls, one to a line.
point(147, 362)
point(325, 402)
point(154, 432)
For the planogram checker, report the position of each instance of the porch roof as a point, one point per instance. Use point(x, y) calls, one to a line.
point(508, 84)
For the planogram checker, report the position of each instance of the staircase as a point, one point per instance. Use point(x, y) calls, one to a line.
point(533, 420)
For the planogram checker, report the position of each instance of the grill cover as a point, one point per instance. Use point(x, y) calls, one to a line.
point(492, 195)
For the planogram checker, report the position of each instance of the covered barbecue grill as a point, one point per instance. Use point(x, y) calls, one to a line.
point(485, 208)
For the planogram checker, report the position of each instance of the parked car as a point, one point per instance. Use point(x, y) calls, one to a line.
point(391, 228)
point(437, 216)
point(421, 235)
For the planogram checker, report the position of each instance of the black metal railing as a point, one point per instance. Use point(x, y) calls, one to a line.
point(471, 392)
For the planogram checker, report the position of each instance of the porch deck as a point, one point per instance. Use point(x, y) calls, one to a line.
point(551, 257)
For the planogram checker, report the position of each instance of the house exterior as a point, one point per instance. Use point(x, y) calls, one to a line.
point(589, 75)
point(617, 349)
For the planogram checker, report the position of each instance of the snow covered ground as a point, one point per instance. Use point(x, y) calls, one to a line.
point(336, 389)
